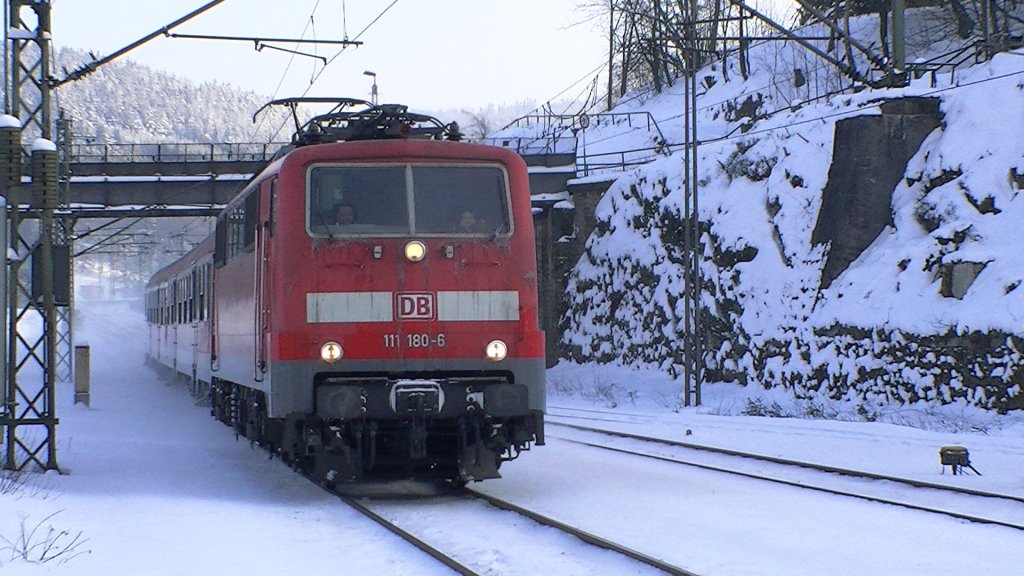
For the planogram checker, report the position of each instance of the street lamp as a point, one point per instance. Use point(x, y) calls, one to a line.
point(373, 89)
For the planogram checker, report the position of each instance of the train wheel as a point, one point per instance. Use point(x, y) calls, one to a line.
point(220, 401)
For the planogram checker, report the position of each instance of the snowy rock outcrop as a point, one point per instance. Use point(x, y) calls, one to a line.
point(932, 309)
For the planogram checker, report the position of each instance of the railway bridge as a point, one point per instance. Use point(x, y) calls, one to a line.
point(166, 179)
point(112, 181)
point(197, 179)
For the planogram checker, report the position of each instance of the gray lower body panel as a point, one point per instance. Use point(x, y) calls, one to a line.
point(290, 386)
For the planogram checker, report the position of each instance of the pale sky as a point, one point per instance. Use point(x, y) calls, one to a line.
point(426, 53)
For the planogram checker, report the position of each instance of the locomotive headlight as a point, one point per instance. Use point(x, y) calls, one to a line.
point(496, 350)
point(331, 352)
point(415, 251)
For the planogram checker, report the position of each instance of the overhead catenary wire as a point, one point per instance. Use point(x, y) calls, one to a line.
point(745, 93)
point(840, 113)
point(824, 117)
point(603, 64)
point(284, 75)
point(330, 60)
point(750, 91)
point(91, 67)
point(925, 31)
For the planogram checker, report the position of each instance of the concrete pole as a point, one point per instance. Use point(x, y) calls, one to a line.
point(899, 52)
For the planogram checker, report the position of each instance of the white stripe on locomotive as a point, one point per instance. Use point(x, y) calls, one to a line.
point(452, 306)
point(478, 305)
point(349, 307)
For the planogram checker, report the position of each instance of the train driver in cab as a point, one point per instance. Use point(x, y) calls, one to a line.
point(345, 214)
point(469, 223)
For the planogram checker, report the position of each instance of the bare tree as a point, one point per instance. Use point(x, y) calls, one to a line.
point(657, 41)
point(479, 125)
point(652, 43)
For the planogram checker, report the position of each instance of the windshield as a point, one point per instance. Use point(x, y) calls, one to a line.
point(402, 200)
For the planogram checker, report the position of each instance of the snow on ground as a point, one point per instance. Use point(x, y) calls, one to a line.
point(156, 486)
point(904, 442)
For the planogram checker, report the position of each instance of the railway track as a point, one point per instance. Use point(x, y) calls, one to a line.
point(473, 533)
point(409, 537)
point(583, 535)
point(981, 507)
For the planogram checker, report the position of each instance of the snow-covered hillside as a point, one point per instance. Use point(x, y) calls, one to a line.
point(888, 327)
point(125, 102)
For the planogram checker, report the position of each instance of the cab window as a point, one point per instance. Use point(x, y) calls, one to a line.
point(460, 200)
point(402, 200)
point(363, 200)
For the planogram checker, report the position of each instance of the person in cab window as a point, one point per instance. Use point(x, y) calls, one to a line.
point(345, 214)
point(469, 223)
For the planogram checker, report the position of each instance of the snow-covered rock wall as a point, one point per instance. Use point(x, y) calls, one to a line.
point(932, 310)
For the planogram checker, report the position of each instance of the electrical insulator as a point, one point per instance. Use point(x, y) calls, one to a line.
point(10, 154)
point(44, 177)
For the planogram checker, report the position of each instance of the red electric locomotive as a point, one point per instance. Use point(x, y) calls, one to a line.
point(368, 304)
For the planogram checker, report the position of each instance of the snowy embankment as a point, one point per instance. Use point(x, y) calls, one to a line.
point(887, 330)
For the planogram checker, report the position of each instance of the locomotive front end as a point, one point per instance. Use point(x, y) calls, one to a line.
point(416, 324)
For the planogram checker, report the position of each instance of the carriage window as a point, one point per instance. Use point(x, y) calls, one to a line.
point(236, 231)
point(201, 293)
point(376, 201)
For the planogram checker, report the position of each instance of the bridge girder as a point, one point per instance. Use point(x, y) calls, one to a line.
point(144, 192)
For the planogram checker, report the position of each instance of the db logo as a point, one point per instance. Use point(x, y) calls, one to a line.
point(416, 306)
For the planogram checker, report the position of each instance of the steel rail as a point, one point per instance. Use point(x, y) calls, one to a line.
point(461, 568)
point(798, 463)
point(395, 529)
point(581, 534)
point(957, 515)
point(516, 509)
point(407, 536)
point(795, 484)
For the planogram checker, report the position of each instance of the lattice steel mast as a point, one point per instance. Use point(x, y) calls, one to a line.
point(29, 413)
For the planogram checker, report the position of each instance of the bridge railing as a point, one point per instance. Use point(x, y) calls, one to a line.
point(602, 162)
point(173, 152)
point(950, 62)
point(552, 123)
point(532, 146)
